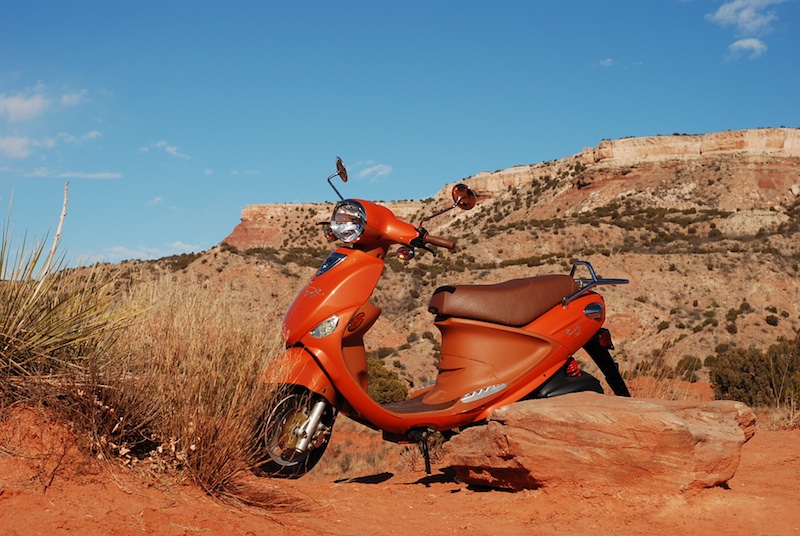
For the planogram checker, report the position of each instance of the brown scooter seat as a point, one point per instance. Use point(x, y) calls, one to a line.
point(517, 302)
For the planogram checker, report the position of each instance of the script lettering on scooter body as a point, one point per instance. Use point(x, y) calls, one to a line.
point(313, 292)
point(574, 331)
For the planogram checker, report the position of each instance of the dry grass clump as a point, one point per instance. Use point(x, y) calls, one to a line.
point(188, 392)
point(160, 374)
point(781, 418)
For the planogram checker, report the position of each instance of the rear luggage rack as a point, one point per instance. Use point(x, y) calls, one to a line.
point(587, 284)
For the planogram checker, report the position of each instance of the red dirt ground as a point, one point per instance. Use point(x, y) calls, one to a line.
point(48, 487)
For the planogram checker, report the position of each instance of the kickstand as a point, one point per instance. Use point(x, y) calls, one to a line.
point(422, 437)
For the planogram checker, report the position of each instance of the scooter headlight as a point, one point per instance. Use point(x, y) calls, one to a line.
point(326, 327)
point(348, 221)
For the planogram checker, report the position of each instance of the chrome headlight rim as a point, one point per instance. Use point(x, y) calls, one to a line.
point(348, 221)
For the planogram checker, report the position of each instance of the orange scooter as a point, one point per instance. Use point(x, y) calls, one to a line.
point(500, 343)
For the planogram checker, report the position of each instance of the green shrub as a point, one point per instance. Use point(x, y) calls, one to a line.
point(688, 366)
point(384, 385)
point(759, 378)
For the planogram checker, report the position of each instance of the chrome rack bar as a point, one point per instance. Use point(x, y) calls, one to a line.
point(587, 284)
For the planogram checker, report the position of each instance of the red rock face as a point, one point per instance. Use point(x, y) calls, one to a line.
point(758, 167)
point(605, 441)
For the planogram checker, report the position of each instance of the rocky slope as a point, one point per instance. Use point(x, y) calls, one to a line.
point(704, 226)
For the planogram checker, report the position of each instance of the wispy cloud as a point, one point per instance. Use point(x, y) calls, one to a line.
point(120, 253)
point(74, 98)
point(168, 148)
point(183, 247)
point(750, 47)
point(750, 19)
point(71, 138)
point(21, 147)
point(608, 62)
point(103, 175)
point(43, 173)
point(155, 201)
point(22, 107)
point(373, 172)
point(116, 254)
point(15, 147)
point(29, 104)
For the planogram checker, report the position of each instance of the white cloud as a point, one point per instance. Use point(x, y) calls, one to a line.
point(751, 47)
point(103, 175)
point(21, 147)
point(74, 98)
point(608, 62)
point(749, 17)
point(208, 171)
point(15, 147)
point(374, 171)
point(43, 172)
point(155, 201)
point(120, 253)
point(182, 247)
point(170, 149)
point(40, 172)
point(20, 107)
point(71, 138)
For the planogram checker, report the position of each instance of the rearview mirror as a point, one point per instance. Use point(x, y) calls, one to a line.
point(342, 172)
point(463, 197)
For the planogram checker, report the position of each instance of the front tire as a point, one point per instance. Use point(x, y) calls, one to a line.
point(280, 436)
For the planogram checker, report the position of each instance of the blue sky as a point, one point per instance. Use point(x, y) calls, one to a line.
point(168, 117)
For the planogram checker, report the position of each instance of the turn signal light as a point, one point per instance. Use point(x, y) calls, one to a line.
point(405, 253)
point(355, 322)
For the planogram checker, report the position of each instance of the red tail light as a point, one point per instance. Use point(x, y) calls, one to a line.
point(572, 369)
point(604, 338)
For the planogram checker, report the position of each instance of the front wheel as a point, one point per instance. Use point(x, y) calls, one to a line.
point(294, 434)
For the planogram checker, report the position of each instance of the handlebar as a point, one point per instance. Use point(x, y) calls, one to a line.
point(438, 241)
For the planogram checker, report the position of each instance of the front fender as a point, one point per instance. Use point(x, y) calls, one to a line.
point(297, 366)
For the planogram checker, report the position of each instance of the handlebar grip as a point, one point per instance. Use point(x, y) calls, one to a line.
point(437, 241)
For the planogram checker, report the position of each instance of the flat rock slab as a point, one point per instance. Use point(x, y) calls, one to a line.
point(605, 441)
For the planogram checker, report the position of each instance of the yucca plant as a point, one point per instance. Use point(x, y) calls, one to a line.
point(158, 371)
point(51, 318)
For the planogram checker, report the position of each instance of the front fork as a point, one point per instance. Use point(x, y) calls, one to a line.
point(311, 428)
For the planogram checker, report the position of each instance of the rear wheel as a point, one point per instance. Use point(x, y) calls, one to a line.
point(294, 434)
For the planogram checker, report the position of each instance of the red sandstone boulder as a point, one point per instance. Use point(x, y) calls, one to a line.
point(603, 440)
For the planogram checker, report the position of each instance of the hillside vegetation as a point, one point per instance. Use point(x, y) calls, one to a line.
point(704, 227)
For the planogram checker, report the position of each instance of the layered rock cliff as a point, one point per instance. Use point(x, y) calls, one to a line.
point(746, 170)
point(705, 228)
